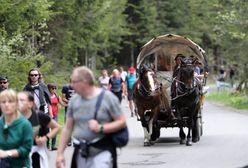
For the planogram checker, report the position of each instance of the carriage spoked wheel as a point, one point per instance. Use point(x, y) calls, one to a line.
point(201, 122)
point(198, 127)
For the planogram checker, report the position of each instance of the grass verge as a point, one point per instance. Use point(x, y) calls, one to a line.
point(238, 101)
point(61, 115)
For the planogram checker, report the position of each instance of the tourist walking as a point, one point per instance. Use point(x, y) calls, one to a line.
point(55, 100)
point(4, 84)
point(67, 92)
point(16, 135)
point(40, 122)
point(116, 84)
point(39, 91)
point(130, 80)
point(91, 149)
point(104, 79)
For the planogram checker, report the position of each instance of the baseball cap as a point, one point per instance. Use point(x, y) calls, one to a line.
point(131, 70)
point(3, 78)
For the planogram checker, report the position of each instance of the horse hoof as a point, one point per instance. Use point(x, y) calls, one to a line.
point(188, 143)
point(182, 141)
point(152, 142)
point(194, 140)
point(147, 144)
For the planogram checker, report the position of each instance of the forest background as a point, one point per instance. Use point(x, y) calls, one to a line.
point(57, 35)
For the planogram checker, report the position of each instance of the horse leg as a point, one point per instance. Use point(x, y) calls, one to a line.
point(182, 135)
point(180, 124)
point(188, 141)
point(136, 113)
point(146, 133)
point(189, 138)
point(150, 126)
point(155, 132)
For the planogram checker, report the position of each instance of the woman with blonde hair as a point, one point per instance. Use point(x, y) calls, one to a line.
point(16, 136)
point(116, 84)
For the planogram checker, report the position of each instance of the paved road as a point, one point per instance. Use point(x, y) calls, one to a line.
point(224, 143)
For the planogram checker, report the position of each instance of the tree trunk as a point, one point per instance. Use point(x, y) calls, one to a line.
point(132, 56)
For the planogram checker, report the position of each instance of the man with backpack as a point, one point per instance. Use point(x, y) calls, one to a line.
point(40, 91)
point(92, 148)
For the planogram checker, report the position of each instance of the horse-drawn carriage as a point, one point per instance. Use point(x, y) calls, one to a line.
point(167, 92)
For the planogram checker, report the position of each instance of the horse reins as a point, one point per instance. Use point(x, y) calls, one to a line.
point(147, 92)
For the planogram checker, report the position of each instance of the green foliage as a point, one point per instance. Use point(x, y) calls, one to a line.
point(147, 25)
point(58, 35)
point(239, 101)
point(16, 63)
point(21, 15)
point(89, 29)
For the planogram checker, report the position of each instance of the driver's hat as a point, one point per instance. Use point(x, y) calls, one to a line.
point(179, 55)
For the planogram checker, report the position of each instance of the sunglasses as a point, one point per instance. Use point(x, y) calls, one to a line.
point(33, 74)
point(53, 88)
point(5, 131)
point(3, 83)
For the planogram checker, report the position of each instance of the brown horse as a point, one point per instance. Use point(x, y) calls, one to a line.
point(186, 101)
point(148, 99)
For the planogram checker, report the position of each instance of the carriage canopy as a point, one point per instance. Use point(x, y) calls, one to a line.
point(162, 50)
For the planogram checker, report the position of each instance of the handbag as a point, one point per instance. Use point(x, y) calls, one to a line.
point(4, 163)
point(119, 138)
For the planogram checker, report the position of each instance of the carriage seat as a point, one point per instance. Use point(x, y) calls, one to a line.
point(165, 78)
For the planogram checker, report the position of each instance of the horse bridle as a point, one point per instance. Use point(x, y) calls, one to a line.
point(148, 92)
point(188, 91)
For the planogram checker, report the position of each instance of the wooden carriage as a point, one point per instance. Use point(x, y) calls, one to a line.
point(161, 52)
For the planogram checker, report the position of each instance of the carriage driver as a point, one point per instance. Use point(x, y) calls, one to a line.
point(178, 61)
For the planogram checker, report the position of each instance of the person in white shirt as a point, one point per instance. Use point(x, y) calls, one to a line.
point(104, 79)
point(123, 74)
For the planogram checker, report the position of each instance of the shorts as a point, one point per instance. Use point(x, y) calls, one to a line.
point(129, 94)
point(101, 160)
point(119, 95)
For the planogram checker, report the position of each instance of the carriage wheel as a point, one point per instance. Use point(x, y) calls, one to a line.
point(198, 128)
point(200, 122)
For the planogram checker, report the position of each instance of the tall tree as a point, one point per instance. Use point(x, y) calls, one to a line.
point(92, 29)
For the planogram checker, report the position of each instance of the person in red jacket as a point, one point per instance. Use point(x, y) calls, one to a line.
point(55, 100)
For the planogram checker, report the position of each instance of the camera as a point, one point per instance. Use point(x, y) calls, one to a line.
point(84, 149)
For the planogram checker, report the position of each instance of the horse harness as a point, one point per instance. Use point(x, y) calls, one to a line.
point(179, 90)
point(143, 91)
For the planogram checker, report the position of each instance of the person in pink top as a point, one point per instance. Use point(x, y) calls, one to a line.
point(55, 99)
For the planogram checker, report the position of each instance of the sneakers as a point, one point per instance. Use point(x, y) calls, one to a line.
point(131, 114)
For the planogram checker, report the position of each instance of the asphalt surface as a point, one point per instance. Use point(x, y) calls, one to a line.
point(224, 143)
